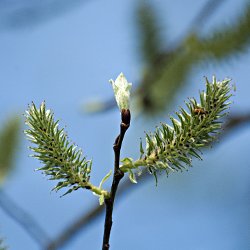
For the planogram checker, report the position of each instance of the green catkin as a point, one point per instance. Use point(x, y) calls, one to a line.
point(171, 148)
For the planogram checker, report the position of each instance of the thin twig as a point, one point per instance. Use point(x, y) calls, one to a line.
point(23, 218)
point(118, 175)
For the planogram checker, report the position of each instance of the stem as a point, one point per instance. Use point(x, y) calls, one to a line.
point(129, 166)
point(97, 190)
point(118, 175)
point(89, 186)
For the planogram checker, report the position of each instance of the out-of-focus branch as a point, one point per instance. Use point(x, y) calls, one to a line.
point(149, 33)
point(170, 69)
point(81, 221)
point(2, 247)
point(23, 218)
point(172, 60)
point(233, 122)
point(9, 142)
point(204, 14)
point(166, 76)
point(23, 14)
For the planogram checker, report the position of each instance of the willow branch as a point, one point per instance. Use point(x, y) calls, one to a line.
point(84, 220)
point(118, 175)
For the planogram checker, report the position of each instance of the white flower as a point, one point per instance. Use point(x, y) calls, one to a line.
point(121, 89)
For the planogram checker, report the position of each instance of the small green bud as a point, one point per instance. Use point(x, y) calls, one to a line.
point(121, 89)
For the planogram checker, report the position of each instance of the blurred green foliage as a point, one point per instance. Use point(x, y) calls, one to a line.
point(2, 247)
point(167, 71)
point(149, 33)
point(9, 134)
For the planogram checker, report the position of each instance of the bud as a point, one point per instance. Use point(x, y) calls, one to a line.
point(121, 89)
point(125, 116)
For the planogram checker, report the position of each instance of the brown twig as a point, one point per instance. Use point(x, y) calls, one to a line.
point(118, 175)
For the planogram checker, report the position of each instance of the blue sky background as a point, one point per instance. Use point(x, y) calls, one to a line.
point(67, 60)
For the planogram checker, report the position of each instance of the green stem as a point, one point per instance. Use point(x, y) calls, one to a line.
point(128, 166)
point(93, 188)
point(97, 190)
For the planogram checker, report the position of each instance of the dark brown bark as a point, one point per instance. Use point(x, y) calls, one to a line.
point(118, 175)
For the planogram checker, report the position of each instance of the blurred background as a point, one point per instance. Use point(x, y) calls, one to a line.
point(65, 52)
